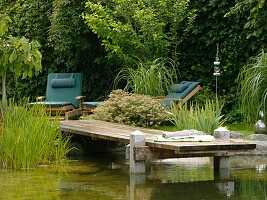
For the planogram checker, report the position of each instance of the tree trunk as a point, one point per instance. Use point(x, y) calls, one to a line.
point(4, 88)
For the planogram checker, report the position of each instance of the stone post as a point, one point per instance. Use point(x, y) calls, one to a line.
point(222, 133)
point(137, 139)
point(222, 163)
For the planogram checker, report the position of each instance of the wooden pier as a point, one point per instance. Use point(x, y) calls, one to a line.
point(144, 148)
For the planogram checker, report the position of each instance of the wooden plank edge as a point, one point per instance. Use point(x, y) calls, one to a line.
point(148, 153)
point(111, 137)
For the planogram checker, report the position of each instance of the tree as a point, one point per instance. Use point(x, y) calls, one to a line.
point(143, 29)
point(17, 55)
point(256, 12)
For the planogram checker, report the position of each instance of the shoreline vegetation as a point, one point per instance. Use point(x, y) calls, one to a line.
point(29, 138)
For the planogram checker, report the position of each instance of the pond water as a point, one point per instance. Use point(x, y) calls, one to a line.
point(106, 177)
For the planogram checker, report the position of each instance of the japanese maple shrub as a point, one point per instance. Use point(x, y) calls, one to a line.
point(132, 109)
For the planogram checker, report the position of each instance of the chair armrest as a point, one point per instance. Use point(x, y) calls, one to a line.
point(79, 97)
point(173, 99)
point(81, 100)
point(40, 98)
point(158, 97)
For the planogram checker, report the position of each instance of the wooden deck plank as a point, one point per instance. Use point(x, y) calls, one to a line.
point(120, 127)
point(121, 133)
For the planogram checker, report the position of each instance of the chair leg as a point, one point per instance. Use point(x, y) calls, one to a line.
point(72, 113)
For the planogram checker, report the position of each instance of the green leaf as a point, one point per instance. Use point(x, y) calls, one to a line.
point(4, 24)
point(261, 3)
point(13, 56)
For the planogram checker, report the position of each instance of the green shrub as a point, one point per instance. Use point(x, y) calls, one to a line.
point(203, 95)
point(204, 118)
point(29, 138)
point(131, 109)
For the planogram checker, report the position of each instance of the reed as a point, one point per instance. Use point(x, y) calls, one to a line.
point(153, 79)
point(204, 118)
point(29, 138)
point(252, 189)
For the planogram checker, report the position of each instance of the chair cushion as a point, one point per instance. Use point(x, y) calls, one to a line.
point(95, 104)
point(179, 88)
point(180, 95)
point(69, 92)
point(52, 103)
point(63, 83)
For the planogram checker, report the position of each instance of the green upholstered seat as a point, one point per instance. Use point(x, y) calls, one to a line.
point(180, 91)
point(93, 104)
point(61, 89)
point(53, 103)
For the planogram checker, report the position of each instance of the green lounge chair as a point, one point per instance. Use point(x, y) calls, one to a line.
point(181, 92)
point(63, 95)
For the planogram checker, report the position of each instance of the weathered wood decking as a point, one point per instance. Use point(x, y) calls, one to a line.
point(152, 150)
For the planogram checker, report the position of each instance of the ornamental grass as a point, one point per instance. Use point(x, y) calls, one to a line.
point(252, 88)
point(154, 79)
point(29, 138)
point(204, 118)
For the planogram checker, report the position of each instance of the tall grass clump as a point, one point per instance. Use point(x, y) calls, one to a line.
point(204, 118)
point(153, 79)
point(29, 138)
point(252, 88)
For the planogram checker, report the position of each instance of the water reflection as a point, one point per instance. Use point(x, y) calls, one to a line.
point(106, 178)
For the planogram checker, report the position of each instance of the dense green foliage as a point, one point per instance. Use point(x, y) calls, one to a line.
point(253, 90)
point(133, 30)
point(17, 55)
point(256, 16)
point(204, 118)
point(29, 138)
point(139, 29)
point(132, 109)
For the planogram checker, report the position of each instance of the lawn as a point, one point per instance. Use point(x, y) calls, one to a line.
point(238, 127)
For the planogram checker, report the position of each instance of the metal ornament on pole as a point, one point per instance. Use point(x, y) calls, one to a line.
point(217, 69)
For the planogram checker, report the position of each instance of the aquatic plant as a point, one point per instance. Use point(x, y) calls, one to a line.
point(252, 189)
point(40, 183)
point(204, 118)
point(29, 138)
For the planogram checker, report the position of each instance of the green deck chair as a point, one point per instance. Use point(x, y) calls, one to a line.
point(63, 95)
point(181, 92)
